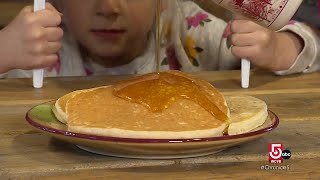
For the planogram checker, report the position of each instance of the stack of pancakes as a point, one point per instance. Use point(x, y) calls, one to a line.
point(98, 111)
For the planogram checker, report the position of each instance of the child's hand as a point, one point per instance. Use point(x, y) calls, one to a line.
point(263, 47)
point(31, 40)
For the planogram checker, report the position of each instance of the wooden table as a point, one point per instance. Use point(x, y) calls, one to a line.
point(25, 153)
point(10, 8)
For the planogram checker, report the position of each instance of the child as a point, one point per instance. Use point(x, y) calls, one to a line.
point(116, 37)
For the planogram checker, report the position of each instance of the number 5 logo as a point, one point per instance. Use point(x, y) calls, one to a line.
point(275, 151)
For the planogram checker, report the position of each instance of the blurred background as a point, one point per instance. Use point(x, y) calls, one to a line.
point(10, 8)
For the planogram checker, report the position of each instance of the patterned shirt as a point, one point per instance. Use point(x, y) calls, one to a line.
point(192, 40)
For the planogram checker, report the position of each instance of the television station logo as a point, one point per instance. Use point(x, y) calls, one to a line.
point(277, 154)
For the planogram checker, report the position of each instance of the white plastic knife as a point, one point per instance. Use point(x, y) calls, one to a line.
point(245, 73)
point(38, 73)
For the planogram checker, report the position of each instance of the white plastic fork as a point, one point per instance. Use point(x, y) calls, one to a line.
point(38, 73)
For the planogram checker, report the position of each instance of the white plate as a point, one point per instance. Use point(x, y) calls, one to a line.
point(41, 118)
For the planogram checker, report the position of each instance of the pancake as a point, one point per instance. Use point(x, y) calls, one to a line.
point(100, 111)
point(158, 90)
point(59, 109)
point(118, 118)
point(247, 113)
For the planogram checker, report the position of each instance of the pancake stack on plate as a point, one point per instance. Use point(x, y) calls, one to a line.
point(99, 111)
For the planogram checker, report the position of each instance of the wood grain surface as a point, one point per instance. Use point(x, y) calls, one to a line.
point(28, 154)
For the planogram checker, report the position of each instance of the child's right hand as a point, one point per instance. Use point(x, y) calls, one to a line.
point(31, 40)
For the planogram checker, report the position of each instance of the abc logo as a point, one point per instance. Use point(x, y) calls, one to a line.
point(286, 154)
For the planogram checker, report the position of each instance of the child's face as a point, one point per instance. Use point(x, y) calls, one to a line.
point(110, 29)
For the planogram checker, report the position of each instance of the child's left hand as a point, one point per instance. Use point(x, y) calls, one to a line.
point(263, 47)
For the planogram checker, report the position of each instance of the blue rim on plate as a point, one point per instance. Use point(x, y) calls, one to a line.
point(275, 123)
